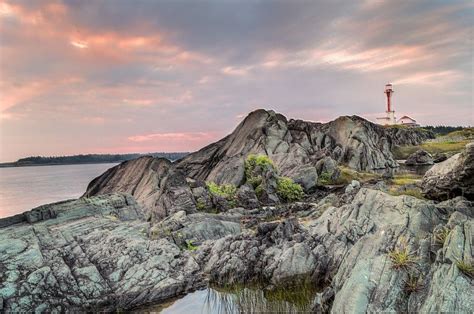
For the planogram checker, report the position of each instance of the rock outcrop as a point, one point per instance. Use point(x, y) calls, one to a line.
point(94, 254)
point(347, 251)
point(419, 158)
point(148, 230)
point(451, 177)
point(295, 146)
point(299, 149)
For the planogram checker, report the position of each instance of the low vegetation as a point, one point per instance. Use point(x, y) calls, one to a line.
point(443, 129)
point(227, 191)
point(348, 174)
point(450, 144)
point(414, 191)
point(288, 190)
point(325, 178)
point(190, 245)
point(441, 235)
point(402, 259)
point(466, 267)
point(413, 284)
point(254, 166)
point(405, 179)
point(258, 165)
point(405, 184)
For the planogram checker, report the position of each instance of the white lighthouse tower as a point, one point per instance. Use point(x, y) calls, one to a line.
point(389, 118)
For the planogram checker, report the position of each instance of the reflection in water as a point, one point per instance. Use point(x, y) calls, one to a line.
point(241, 299)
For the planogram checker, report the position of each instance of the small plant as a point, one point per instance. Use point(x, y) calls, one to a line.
point(201, 206)
point(288, 190)
point(402, 259)
point(441, 235)
point(413, 284)
point(324, 178)
point(466, 267)
point(190, 246)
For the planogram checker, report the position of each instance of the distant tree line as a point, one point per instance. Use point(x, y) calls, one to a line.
point(443, 129)
point(91, 158)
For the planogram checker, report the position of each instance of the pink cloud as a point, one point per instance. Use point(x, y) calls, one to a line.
point(186, 136)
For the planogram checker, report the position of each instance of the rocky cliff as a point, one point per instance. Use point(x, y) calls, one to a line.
point(149, 230)
point(296, 147)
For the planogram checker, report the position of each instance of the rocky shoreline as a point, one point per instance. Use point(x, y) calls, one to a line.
point(277, 201)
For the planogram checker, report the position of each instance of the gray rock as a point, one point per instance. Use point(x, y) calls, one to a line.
point(452, 177)
point(418, 158)
point(354, 185)
point(94, 255)
point(246, 197)
point(439, 157)
point(328, 166)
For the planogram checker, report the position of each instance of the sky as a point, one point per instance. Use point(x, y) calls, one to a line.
point(117, 76)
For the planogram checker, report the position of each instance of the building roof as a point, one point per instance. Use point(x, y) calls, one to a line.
point(407, 117)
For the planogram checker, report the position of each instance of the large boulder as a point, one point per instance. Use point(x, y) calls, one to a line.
point(419, 158)
point(143, 178)
point(451, 177)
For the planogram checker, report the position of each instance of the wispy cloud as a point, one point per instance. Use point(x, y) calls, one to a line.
point(147, 75)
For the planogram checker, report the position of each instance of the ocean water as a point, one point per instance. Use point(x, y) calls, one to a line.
point(23, 188)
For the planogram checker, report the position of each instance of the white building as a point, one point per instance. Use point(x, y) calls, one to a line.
point(406, 120)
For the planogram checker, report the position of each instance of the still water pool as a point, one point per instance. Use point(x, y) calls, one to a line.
point(239, 300)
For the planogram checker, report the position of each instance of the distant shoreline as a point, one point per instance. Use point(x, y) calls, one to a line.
point(15, 165)
point(86, 159)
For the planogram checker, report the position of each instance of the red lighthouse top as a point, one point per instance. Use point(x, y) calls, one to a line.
point(389, 91)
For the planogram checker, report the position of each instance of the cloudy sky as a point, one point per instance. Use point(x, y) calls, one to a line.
point(119, 76)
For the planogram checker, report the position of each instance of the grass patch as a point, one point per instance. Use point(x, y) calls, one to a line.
point(432, 147)
point(467, 268)
point(404, 179)
point(288, 190)
point(402, 259)
point(415, 192)
point(348, 174)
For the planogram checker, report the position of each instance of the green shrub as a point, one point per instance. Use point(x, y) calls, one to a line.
point(228, 191)
point(288, 190)
point(262, 161)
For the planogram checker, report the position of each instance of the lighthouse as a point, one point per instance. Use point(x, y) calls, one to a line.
point(389, 118)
